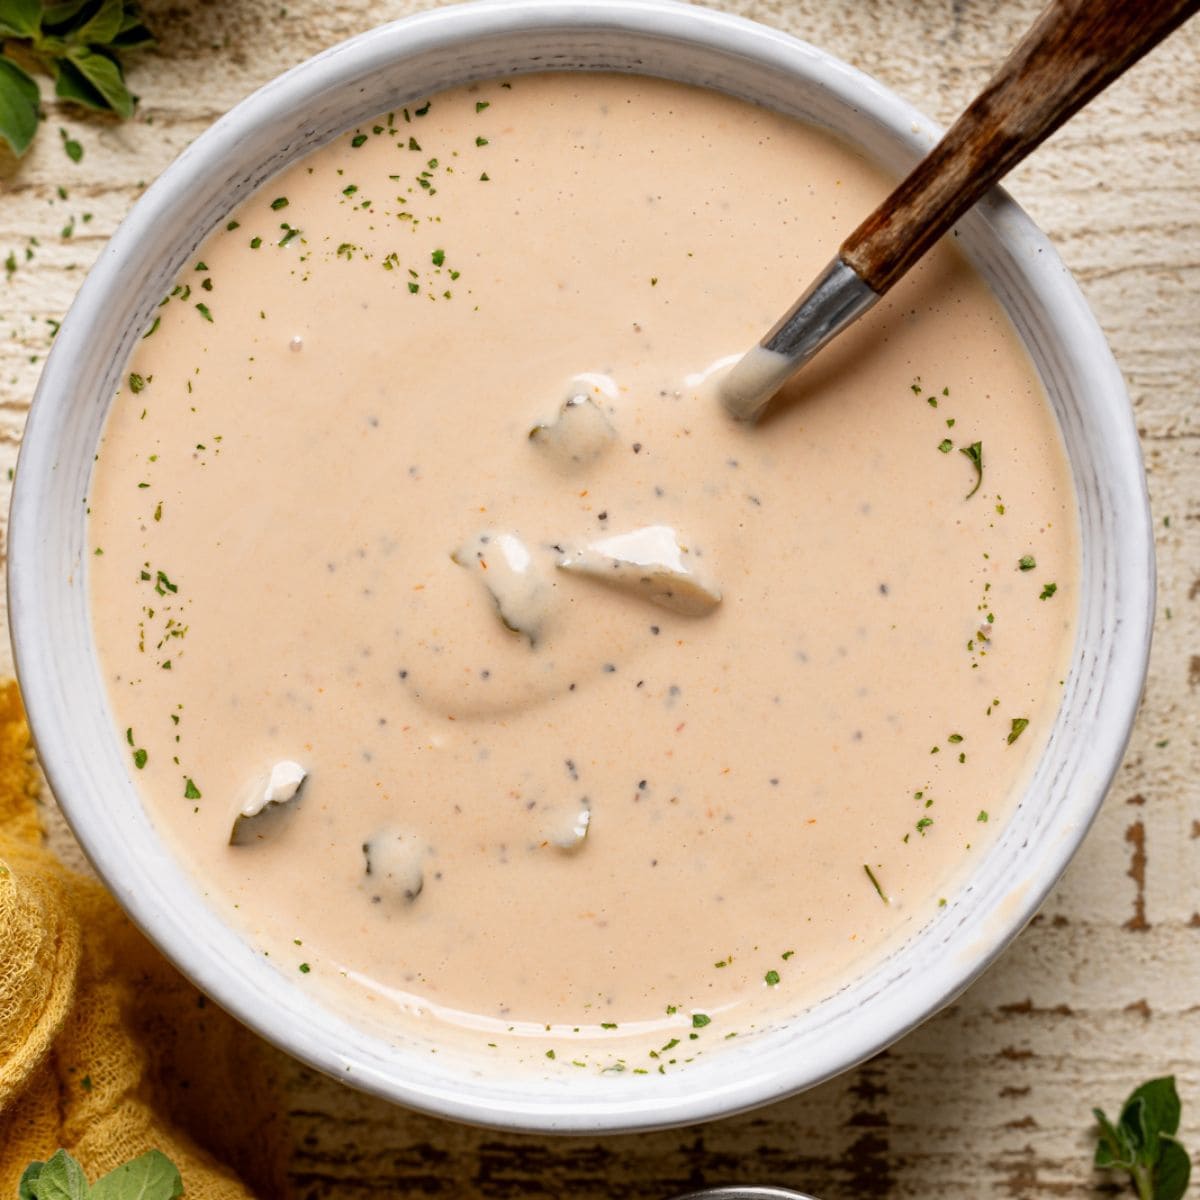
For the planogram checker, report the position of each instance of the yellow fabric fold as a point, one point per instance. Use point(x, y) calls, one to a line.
point(105, 1050)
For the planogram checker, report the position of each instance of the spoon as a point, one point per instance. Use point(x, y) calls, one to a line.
point(1071, 53)
point(745, 1193)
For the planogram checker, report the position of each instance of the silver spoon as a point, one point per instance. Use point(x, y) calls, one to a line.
point(745, 1193)
point(1074, 50)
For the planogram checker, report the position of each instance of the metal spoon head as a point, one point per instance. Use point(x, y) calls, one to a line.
point(836, 298)
point(746, 1193)
point(753, 380)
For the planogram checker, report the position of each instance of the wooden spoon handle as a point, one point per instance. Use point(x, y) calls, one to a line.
point(1074, 50)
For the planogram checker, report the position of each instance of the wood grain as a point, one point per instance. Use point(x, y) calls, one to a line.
point(990, 1099)
point(1073, 51)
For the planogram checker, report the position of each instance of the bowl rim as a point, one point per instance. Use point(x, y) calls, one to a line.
point(33, 643)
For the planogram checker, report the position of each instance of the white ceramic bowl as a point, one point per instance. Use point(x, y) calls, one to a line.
point(382, 70)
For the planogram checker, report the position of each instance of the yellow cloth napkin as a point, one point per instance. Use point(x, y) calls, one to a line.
point(105, 1050)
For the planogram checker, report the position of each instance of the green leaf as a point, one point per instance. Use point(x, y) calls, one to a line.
point(20, 18)
point(62, 1178)
point(1113, 1148)
point(1143, 1142)
point(1152, 1109)
point(27, 1188)
point(62, 12)
point(104, 25)
point(1133, 1127)
point(18, 106)
point(151, 1176)
point(1173, 1171)
point(133, 36)
point(975, 453)
point(49, 48)
point(71, 148)
point(103, 79)
point(71, 84)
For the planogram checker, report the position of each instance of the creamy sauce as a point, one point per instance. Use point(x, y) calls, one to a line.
point(352, 517)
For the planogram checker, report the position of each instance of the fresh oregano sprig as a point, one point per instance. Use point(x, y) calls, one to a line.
point(80, 44)
point(1143, 1142)
point(150, 1176)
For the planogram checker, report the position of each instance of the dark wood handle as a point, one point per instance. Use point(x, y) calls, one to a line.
point(1074, 50)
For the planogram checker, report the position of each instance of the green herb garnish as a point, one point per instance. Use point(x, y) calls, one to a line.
point(875, 884)
point(1048, 590)
point(1143, 1142)
point(1026, 563)
point(699, 1020)
point(190, 791)
point(1019, 725)
point(150, 1176)
point(80, 44)
point(71, 148)
point(771, 978)
point(975, 453)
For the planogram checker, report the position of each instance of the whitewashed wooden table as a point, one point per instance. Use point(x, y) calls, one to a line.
point(992, 1098)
